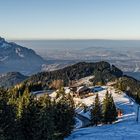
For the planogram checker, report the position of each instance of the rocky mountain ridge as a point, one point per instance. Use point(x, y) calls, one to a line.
point(14, 57)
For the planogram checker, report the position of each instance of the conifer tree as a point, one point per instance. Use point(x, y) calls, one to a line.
point(30, 119)
point(70, 100)
point(7, 116)
point(113, 111)
point(96, 112)
point(106, 109)
point(46, 122)
point(60, 92)
point(27, 117)
point(109, 109)
point(64, 116)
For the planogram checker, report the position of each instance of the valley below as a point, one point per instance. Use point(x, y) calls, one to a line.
point(124, 54)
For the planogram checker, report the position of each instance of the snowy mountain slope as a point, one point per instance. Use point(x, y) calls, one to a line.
point(14, 57)
point(126, 128)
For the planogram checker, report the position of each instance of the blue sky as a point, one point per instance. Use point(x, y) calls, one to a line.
point(70, 19)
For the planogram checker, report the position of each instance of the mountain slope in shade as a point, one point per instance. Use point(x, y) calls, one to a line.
point(11, 78)
point(14, 57)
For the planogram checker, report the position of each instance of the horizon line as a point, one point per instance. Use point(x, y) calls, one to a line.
point(43, 39)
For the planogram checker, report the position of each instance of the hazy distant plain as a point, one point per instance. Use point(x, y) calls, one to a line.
point(123, 53)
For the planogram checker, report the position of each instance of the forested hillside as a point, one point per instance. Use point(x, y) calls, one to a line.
point(102, 71)
point(131, 86)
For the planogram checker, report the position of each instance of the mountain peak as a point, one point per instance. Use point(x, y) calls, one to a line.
point(2, 39)
point(14, 57)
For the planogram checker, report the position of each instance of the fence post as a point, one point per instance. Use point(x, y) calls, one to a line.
point(137, 119)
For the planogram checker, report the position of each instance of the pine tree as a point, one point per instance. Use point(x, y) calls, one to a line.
point(70, 100)
point(96, 112)
point(109, 109)
point(106, 109)
point(25, 117)
point(30, 118)
point(113, 111)
point(22, 103)
point(64, 117)
point(46, 120)
point(71, 112)
point(60, 92)
point(7, 116)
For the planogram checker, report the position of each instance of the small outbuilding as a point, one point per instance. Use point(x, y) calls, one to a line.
point(120, 112)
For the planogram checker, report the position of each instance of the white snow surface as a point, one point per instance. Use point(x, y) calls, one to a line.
point(84, 81)
point(125, 128)
point(18, 51)
point(4, 58)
